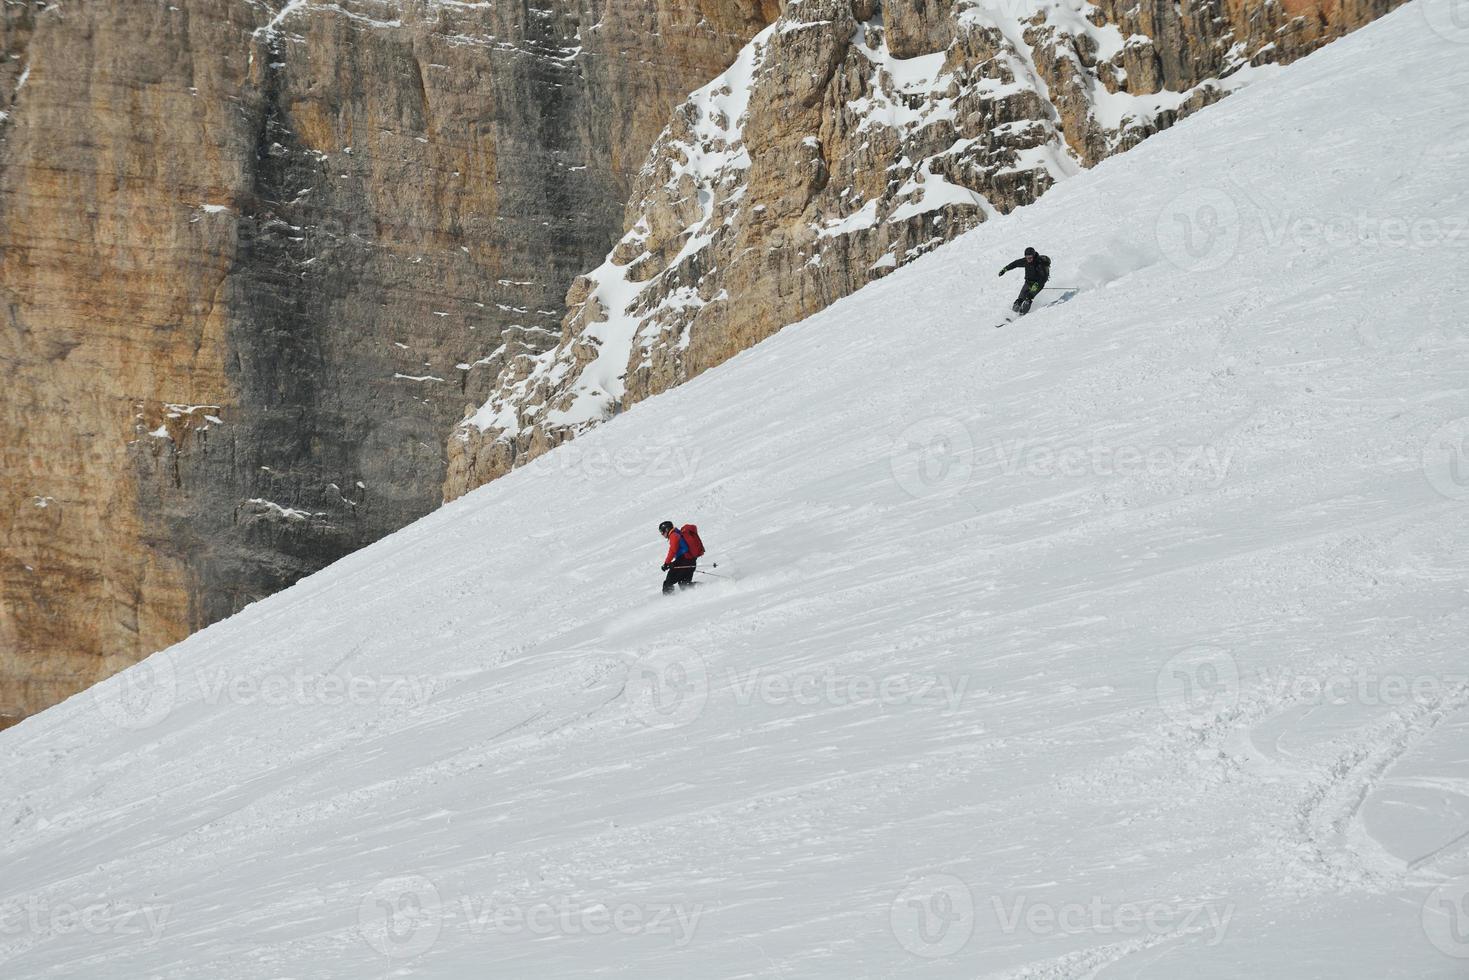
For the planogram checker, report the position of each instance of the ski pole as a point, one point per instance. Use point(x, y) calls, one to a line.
point(1062, 288)
point(712, 574)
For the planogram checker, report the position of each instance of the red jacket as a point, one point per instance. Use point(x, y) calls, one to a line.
point(677, 547)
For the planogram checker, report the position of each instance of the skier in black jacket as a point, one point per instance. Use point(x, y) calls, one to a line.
point(1037, 270)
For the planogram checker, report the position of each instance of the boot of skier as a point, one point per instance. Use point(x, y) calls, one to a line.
point(684, 549)
point(1037, 270)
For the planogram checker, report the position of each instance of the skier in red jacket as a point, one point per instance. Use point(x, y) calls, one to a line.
point(684, 549)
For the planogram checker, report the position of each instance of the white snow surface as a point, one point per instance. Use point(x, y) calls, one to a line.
point(1125, 641)
point(912, 96)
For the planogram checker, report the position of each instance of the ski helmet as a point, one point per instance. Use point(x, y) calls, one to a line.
point(665, 527)
point(1031, 251)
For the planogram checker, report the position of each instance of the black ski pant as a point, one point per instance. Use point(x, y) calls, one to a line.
point(680, 576)
point(1028, 292)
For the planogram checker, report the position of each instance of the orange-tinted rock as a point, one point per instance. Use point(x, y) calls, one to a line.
point(254, 261)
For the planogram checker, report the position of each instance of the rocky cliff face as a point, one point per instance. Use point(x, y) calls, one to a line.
point(849, 138)
point(255, 258)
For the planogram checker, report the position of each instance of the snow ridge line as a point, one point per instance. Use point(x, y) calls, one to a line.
point(291, 7)
point(1330, 817)
point(1083, 964)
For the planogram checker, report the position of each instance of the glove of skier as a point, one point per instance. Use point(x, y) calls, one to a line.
point(666, 567)
point(1002, 273)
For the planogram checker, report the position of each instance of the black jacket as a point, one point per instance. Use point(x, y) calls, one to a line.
point(1037, 271)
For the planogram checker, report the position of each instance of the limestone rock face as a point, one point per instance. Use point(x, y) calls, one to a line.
point(849, 138)
point(257, 257)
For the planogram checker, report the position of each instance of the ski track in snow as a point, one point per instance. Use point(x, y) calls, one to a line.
point(1117, 670)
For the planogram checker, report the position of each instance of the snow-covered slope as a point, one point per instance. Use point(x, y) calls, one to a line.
point(1125, 641)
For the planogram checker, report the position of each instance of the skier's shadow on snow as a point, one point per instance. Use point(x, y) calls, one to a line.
point(1067, 295)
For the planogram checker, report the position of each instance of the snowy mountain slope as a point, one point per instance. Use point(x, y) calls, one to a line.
point(849, 138)
point(1126, 641)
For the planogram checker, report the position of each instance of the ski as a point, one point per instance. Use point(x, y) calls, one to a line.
point(1068, 294)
